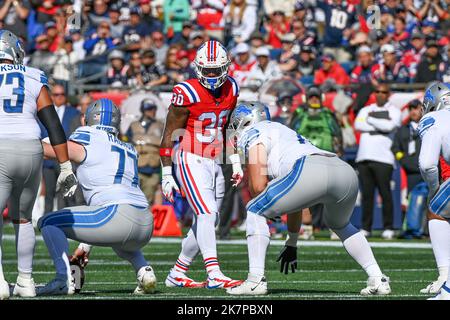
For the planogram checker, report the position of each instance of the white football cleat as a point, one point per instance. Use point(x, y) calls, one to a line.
point(434, 287)
point(146, 281)
point(221, 282)
point(388, 234)
point(377, 286)
point(4, 290)
point(58, 286)
point(254, 285)
point(180, 280)
point(24, 288)
point(365, 233)
point(444, 294)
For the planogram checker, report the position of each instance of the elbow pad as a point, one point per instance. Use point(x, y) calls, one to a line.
point(50, 120)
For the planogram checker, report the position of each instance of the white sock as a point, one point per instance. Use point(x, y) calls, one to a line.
point(257, 248)
point(258, 239)
point(189, 250)
point(2, 277)
point(58, 248)
point(206, 239)
point(358, 247)
point(440, 241)
point(136, 258)
point(25, 242)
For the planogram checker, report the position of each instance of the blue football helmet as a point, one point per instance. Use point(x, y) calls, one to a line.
point(11, 47)
point(103, 114)
point(437, 97)
point(245, 114)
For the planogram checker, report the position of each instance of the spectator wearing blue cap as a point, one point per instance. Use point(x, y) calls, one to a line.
point(146, 134)
point(53, 36)
point(304, 12)
point(115, 23)
point(176, 12)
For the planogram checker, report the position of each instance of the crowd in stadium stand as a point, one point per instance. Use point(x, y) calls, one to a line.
point(311, 40)
point(358, 44)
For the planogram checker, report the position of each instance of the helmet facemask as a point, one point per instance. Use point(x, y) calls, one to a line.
point(211, 65)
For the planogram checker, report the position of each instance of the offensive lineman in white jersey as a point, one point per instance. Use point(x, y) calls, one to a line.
point(116, 214)
point(434, 130)
point(24, 97)
point(301, 175)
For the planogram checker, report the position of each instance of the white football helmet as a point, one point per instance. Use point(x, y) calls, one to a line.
point(211, 64)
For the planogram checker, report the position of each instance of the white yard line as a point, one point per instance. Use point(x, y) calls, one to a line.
point(10, 237)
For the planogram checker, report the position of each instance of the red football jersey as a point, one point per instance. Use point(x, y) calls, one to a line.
point(445, 169)
point(208, 115)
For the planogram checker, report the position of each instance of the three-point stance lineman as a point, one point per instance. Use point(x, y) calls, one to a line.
point(24, 97)
point(117, 213)
point(434, 130)
point(301, 175)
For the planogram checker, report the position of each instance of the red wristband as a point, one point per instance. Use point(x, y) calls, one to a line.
point(165, 152)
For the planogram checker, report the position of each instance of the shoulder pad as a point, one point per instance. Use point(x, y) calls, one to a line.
point(184, 94)
point(37, 75)
point(234, 85)
point(81, 136)
point(425, 124)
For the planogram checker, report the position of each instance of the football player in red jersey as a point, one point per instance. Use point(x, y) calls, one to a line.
point(190, 150)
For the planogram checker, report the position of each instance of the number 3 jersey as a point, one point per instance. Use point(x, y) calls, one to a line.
point(208, 115)
point(19, 89)
point(108, 174)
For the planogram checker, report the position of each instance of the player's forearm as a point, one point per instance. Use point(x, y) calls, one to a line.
point(294, 221)
point(61, 152)
point(431, 176)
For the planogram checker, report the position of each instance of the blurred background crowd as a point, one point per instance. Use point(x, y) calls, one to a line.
point(317, 64)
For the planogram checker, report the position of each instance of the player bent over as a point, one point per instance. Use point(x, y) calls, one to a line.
point(434, 130)
point(302, 176)
point(117, 213)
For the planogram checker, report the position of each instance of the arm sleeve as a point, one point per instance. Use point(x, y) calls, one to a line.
point(183, 95)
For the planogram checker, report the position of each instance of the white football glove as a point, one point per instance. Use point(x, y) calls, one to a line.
point(168, 183)
point(238, 174)
point(66, 180)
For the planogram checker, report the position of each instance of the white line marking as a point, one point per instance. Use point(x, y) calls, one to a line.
point(334, 244)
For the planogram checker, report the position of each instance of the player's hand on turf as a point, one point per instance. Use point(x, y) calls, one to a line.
point(288, 257)
point(168, 184)
point(67, 181)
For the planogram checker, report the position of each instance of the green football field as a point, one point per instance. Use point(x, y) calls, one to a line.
point(326, 271)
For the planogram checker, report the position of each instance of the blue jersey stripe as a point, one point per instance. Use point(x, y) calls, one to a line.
point(277, 190)
point(80, 219)
point(190, 91)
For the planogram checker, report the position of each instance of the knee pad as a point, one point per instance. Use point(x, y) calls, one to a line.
point(257, 225)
